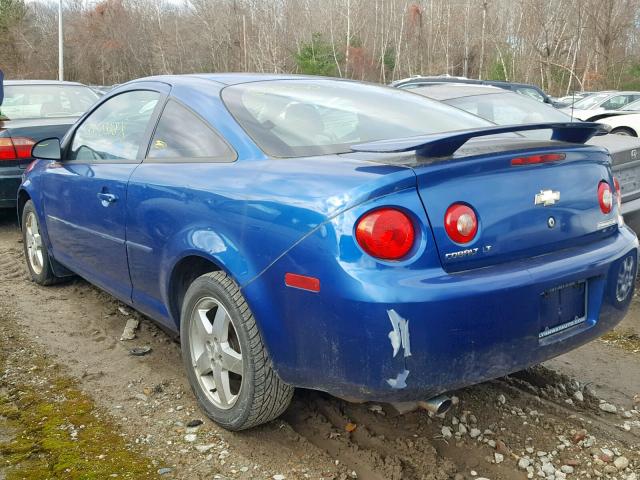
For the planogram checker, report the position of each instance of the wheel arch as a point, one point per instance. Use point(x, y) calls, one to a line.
point(23, 198)
point(625, 127)
point(182, 274)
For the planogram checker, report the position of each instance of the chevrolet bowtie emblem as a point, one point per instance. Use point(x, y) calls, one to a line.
point(547, 197)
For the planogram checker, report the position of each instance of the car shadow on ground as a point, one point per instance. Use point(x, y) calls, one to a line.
point(8, 217)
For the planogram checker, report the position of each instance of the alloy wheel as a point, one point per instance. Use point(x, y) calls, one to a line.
point(34, 244)
point(216, 355)
point(625, 279)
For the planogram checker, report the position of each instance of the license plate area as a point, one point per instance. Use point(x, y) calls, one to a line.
point(629, 178)
point(562, 307)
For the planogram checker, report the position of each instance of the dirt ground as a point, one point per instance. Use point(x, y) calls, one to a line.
point(547, 422)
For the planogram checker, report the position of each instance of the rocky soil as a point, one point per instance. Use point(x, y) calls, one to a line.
point(576, 417)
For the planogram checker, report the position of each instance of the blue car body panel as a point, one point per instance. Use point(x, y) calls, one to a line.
point(79, 225)
point(376, 329)
point(464, 328)
point(251, 206)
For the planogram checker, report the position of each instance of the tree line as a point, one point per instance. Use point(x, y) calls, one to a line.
point(560, 45)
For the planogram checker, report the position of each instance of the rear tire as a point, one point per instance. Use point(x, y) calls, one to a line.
point(35, 249)
point(624, 131)
point(227, 364)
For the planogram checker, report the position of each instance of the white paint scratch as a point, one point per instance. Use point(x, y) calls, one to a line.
point(400, 381)
point(399, 336)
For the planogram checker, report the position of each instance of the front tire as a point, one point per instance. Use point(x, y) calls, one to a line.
point(35, 250)
point(227, 364)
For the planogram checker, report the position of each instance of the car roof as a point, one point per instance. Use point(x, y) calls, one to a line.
point(612, 93)
point(42, 82)
point(445, 91)
point(228, 78)
point(417, 79)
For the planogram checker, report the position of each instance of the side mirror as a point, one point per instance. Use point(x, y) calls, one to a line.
point(47, 149)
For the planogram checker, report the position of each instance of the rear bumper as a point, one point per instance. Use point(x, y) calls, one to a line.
point(10, 180)
point(463, 328)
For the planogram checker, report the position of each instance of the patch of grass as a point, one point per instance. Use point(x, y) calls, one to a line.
point(628, 341)
point(55, 430)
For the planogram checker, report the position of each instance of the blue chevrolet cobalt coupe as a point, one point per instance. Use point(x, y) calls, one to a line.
point(332, 235)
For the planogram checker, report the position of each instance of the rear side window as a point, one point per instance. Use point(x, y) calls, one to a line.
point(181, 134)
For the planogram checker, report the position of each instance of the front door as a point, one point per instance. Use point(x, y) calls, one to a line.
point(85, 194)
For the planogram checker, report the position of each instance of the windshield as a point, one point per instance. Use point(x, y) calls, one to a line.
point(289, 118)
point(509, 109)
point(591, 101)
point(39, 101)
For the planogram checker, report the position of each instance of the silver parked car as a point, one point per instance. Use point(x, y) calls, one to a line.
point(507, 108)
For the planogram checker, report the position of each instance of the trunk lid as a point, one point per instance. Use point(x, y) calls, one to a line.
point(523, 210)
point(510, 223)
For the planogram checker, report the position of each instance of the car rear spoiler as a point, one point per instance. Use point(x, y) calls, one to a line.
point(444, 144)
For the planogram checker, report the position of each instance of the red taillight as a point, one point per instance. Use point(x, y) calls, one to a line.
point(460, 223)
point(17, 148)
point(386, 233)
point(535, 159)
point(616, 185)
point(605, 197)
point(23, 146)
point(7, 152)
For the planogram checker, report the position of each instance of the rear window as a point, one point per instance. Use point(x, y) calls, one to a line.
point(42, 101)
point(509, 109)
point(531, 93)
point(290, 118)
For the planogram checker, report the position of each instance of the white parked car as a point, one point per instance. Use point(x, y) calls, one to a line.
point(597, 104)
point(624, 124)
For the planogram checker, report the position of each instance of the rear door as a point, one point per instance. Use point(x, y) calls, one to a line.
point(85, 194)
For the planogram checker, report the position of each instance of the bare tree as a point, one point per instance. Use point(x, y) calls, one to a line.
point(558, 44)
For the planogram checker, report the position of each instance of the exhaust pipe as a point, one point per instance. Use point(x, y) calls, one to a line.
point(436, 405)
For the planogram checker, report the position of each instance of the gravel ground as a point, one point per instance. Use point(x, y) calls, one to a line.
point(573, 418)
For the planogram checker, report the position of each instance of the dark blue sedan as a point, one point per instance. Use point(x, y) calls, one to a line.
point(332, 235)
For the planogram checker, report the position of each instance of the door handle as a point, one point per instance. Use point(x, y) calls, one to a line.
point(107, 198)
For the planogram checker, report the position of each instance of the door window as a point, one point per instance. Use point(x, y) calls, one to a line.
point(181, 134)
point(619, 101)
point(115, 130)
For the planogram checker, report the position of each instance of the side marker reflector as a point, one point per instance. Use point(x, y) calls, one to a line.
point(302, 282)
